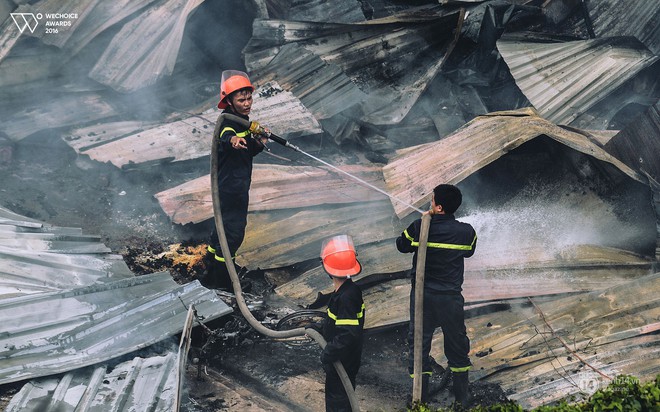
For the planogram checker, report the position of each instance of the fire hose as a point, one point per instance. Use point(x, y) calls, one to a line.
point(224, 246)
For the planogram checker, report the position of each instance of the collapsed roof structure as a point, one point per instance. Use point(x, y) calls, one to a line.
point(409, 96)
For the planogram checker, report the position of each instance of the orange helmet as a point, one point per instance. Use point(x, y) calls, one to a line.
point(231, 81)
point(339, 257)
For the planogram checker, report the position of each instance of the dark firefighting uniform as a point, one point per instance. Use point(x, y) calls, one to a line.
point(342, 329)
point(234, 178)
point(449, 242)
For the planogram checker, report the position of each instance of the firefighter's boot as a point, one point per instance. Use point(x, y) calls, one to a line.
point(425, 392)
point(461, 388)
point(208, 277)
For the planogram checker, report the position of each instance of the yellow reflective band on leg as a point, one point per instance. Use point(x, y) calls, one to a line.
point(210, 249)
point(412, 375)
point(463, 369)
point(219, 258)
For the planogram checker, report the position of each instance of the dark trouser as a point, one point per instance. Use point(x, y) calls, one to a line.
point(234, 209)
point(444, 311)
point(336, 399)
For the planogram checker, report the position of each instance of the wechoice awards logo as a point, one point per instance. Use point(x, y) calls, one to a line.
point(26, 21)
point(54, 21)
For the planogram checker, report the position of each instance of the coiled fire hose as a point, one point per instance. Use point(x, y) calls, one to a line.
point(245, 311)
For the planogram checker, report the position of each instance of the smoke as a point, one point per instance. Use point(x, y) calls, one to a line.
point(555, 216)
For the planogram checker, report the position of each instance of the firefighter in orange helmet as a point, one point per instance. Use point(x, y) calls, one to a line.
point(343, 326)
point(236, 150)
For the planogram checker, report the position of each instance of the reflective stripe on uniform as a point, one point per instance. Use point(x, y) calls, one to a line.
point(463, 369)
point(212, 250)
point(347, 322)
point(241, 134)
point(440, 245)
point(412, 375)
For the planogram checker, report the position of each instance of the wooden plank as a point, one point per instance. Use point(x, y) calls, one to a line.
point(411, 176)
point(156, 36)
point(190, 137)
point(275, 187)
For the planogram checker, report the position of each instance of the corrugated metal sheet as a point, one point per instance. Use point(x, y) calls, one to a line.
point(55, 332)
point(323, 88)
point(506, 274)
point(412, 175)
point(275, 187)
point(625, 18)
point(37, 257)
point(392, 61)
point(138, 385)
point(563, 80)
point(612, 329)
point(151, 384)
point(190, 138)
point(639, 144)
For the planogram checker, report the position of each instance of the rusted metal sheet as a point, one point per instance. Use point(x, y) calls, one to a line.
point(377, 56)
point(56, 332)
point(638, 145)
point(156, 35)
point(275, 187)
point(412, 174)
point(323, 88)
point(623, 18)
point(534, 350)
point(190, 138)
point(276, 239)
point(488, 276)
point(564, 79)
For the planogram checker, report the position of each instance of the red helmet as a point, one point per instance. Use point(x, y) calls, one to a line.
point(339, 257)
point(231, 81)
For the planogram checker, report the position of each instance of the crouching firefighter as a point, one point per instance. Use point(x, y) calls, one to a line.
point(449, 242)
point(342, 328)
point(236, 149)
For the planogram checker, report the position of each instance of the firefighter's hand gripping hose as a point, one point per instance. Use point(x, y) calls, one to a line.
point(245, 311)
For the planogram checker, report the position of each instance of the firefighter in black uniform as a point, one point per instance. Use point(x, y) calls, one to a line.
point(342, 328)
point(235, 152)
point(449, 242)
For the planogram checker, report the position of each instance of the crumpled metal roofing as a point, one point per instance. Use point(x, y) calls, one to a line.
point(137, 385)
point(392, 61)
point(625, 18)
point(54, 332)
point(412, 175)
point(67, 303)
point(37, 257)
point(153, 383)
point(564, 79)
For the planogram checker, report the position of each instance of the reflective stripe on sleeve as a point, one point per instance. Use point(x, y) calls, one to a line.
point(446, 245)
point(241, 134)
point(347, 322)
